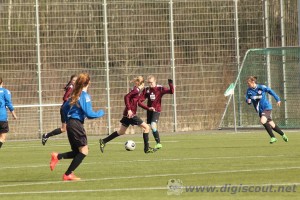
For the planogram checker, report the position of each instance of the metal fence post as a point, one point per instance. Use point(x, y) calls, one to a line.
point(173, 62)
point(107, 67)
point(38, 51)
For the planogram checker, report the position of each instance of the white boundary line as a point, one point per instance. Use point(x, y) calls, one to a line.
point(128, 189)
point(159, 160)
point(155, 175)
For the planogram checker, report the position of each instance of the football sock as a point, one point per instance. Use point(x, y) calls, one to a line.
point(75, 163)
point(1, 144)
point(269, 129)
point(54, 132)
point(156, 136)
point(278, 130)
point(146, 141)
point(111, 137)
point(67, 155)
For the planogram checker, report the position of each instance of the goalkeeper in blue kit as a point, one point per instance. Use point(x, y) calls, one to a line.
point(257, 95)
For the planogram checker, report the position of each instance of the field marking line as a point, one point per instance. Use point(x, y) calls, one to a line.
point(155, 175)
point(161, 160)
point(67, 144)
point(126, 189)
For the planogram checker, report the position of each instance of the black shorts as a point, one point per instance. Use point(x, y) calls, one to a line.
point(76, 134)
point(4, 127)
point(131, 121)
point(62, 116)
point(267, 114)
point(152, 116)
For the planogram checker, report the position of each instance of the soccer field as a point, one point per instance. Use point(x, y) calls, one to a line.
point(206, 165)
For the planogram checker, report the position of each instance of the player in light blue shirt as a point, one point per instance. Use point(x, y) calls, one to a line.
point(76, 109)
point(257, 95)
point(5, 102)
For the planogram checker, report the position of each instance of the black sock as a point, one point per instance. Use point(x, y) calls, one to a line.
point(54, 132)
point(1, 144)
point(75, 163)
point(268, 129)
point(156, 136)
point(67, 155)
point(278, 130)
point(110, 137)
point(146, 141)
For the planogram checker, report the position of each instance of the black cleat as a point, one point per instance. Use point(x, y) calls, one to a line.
point(102, 145)
point(44, 139)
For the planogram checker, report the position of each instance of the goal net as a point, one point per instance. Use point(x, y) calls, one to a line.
point(277, 68)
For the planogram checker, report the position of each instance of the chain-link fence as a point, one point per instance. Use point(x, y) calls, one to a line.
point(199, 44)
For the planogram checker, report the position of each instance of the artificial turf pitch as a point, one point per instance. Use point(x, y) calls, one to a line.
point(236, 165)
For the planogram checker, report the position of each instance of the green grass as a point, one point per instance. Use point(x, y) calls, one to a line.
point(213, 158)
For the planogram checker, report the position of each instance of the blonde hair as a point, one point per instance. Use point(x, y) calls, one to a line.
point(82, 81)
point(138, 79)
point(150, 77)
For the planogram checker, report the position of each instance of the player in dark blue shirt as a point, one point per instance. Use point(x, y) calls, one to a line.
point(76, 109)
point(257, 95)
point(5, 101)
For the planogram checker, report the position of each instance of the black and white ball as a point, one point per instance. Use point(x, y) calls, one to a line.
point(130, 145)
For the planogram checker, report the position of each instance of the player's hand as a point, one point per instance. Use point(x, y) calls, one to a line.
point(152, 109)
point(278, 103)
point(129, 114)
point(249, 101)
point(170, 81)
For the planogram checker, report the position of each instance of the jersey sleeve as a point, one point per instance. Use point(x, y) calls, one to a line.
point(68, 93)
point(128, 96)
point(8, 102)
point(142, 99)
point(271, 92)
point(86, 105)
point(247, 97)
point(166, 90)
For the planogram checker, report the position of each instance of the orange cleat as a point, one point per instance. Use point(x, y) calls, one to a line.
point(70, 177)
point(54, 160)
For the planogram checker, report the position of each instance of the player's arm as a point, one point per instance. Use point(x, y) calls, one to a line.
point(8, 103)
point(142, 98)
point(129, 96)
point(68, 93)
point(86, 105)
point(271, 92)
point(169, 90)
point(248, 99)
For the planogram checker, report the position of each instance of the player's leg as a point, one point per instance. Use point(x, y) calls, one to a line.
point(56, 131)
point(152, 120)
point(146, 129)
point(2, 139)
point(78, 141)
point(125, 122)
point(279, 131)
point(265, 122)
point(3, 130)
point(77, 160)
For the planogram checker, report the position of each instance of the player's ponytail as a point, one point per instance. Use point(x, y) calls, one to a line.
point(82, 81)
point(138, 79)
point(1, 80)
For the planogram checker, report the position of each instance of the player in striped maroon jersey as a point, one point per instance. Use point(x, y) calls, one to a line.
point(154, 94)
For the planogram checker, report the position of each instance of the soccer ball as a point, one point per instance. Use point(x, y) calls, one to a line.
point(130, 145)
